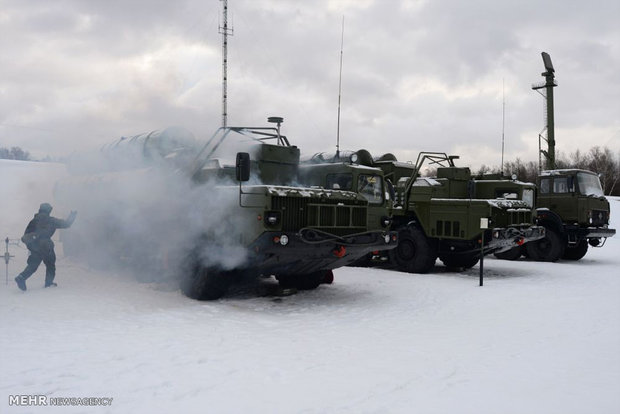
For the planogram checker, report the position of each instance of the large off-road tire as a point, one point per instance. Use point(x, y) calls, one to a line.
point(577, 251)
point(512, 254)
point(460, 261)
point(415, 253)
point(328, 277)
point(308, 281)
point(204, 283)
point(548, 249)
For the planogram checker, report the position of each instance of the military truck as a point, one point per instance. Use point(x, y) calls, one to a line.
point(575, 213)
point(301, 233)
point(298, 234)
point(441, 217)
point(571, 204)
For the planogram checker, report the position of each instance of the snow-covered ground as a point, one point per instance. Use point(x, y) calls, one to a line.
point(536, 338)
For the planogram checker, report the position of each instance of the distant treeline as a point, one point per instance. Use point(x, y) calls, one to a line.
point(599, 160)
point(15, 153)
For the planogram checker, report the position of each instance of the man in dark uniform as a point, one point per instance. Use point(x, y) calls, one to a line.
point(38, 239)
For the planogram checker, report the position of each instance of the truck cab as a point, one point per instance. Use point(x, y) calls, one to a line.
point(575, 195)
point(571, 205)
point(365, 181)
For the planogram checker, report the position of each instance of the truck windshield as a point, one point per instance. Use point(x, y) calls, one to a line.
point(371, 187)
point(528, 197)
point(340, 181)
point(589, 184)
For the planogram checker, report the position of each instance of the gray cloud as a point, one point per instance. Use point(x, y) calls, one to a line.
point(418, 75)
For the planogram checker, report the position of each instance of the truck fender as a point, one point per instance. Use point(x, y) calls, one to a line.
point(412, 223)
point(549, 219)
point(415, 223)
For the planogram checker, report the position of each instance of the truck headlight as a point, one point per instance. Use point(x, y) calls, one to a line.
point(283, 239)
point(272, 218)
point(386, 221)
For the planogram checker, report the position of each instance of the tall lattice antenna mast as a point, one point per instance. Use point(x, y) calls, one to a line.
point(503, 124)
point(225, 31)
point(339, 92)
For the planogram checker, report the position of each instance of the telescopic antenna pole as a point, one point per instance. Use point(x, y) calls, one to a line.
point(503, 125)
point(339, 92)
point(225, 31)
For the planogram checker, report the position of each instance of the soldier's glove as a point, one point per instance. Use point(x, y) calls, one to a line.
point(72, 216)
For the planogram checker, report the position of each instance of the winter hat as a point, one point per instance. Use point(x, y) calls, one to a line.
point(45, 208)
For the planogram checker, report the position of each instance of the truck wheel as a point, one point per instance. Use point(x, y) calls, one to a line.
point(205, 283)
point(328, 277)
point(577, 251)
point(414, 253)
point(548, 249)
point(460, 261)
point(308, 281)
point(512, 254)
point(285, 281)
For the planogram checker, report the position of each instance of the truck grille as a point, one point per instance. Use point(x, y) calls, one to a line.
point(600, 217)
point(520, 217)
point(332, 216)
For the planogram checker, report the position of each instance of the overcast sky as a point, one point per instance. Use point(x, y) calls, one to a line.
point(417, 74)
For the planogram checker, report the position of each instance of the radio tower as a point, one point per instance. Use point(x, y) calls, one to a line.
point(224, 31)
point(339, 93)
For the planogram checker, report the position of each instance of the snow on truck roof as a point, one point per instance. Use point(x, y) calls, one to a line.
point(565, 171)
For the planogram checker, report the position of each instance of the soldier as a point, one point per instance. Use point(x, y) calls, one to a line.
point(38, 239)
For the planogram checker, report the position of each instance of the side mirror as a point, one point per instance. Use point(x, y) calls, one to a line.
point(243, 166)
point(390, 188)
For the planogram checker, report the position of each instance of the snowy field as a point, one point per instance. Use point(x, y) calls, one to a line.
point(537, 338)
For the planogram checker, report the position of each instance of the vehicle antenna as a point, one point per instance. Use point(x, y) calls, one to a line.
point(501, 171)
point(339, 92)
point(224, 31)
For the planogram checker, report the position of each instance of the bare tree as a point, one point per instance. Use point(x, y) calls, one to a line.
point(599, 160)
point(15, 153)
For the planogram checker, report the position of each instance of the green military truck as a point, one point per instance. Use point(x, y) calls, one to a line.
point(571, 204)
point(251, 218)
point(575, 213)
point(441, 217)
point(298, 233)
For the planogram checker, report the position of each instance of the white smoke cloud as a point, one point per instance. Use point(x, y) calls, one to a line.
point(153, 217)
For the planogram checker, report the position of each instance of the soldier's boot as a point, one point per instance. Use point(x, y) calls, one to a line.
point(21, 283)
point(50, 273)
point(49, 282)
